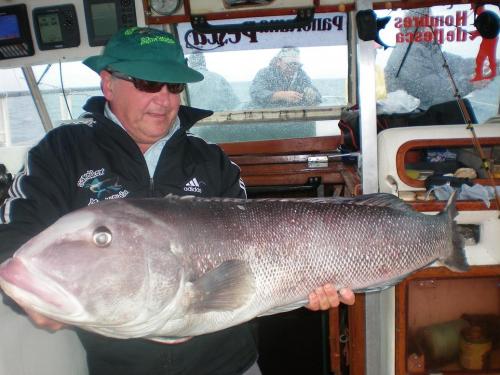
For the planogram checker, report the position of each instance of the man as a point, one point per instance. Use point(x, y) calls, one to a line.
point(214, 92)
point(283, 83)
point(133, 142)
point(488, 47)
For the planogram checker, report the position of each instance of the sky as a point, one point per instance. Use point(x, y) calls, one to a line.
point(318, 62)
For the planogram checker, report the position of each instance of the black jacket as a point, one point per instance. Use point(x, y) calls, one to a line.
point(94, 159)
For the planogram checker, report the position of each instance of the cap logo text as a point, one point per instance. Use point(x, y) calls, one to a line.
point(156, 39)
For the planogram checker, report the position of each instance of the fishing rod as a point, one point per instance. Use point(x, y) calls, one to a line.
point(405, 55)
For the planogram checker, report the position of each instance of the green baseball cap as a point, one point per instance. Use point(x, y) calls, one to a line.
point(145, 53)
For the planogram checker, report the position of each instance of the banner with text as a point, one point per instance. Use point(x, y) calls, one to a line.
point(327, 29)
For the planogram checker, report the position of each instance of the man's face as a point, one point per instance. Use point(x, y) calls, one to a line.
point(289, 65)
point(147, 117)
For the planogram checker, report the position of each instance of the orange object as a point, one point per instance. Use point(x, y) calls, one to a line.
point(487, 51)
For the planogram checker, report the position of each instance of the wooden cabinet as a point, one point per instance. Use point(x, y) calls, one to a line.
point(434, 309)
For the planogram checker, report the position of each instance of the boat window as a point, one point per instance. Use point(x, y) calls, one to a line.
point(270, 78)
point(290, 80)
point(286, 87)
point(412, 72)
point(266, 85)
point(65, 88)
point(19, 120)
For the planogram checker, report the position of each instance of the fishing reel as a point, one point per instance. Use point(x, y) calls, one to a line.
point(5, 182)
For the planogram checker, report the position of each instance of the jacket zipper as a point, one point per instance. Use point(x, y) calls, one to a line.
point(151, 186)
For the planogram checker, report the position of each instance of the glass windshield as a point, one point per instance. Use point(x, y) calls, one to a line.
point(278, 78)
point(275, 78)
point(65, 88)
point(297, 87)
point(283, 79)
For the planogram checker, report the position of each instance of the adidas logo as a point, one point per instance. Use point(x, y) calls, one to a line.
point(193, 186)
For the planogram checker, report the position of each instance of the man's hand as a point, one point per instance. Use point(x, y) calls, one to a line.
point(326, 297)
point(44, 322)
point(287, 96)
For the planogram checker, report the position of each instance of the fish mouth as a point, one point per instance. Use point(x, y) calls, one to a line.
point(31, 289)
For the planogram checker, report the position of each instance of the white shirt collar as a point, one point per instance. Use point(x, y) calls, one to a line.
point(152, 154)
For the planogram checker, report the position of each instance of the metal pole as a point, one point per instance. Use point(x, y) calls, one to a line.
point(5, 138)
point(367, 110)
point(37, 98)
point(379, 309)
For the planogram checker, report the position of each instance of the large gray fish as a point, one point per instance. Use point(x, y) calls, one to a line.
point(179, 267)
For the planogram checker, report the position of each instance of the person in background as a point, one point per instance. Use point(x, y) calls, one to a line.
point(214, 92)
point(487, 48)
point(134, 142)
point(283, 83)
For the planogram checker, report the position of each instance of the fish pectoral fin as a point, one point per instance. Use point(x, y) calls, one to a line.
point(282, 309)
point(224, 288)
point(170, 340)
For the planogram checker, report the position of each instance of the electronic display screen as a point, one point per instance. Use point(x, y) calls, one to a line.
point(104, 19)
point(9, 27)
point(50, 29)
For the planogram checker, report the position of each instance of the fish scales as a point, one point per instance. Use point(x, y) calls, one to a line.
point(179, 267)
point(279, 249)
point(266, 232)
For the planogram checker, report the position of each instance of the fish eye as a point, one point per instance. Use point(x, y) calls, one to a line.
point(102, 237)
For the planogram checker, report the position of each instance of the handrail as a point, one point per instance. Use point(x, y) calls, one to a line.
point(273, 115)
point(304, 17)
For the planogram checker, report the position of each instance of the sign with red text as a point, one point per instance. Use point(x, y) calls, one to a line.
point(432, 28)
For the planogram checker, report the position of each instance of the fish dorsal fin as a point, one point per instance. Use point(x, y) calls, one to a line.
point(224, 288)
point(375, 200)
point(381, 200)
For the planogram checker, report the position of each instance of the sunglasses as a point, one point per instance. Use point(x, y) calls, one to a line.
point(149, 86)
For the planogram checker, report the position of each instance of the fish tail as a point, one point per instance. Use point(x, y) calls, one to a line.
point(457, 260)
